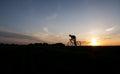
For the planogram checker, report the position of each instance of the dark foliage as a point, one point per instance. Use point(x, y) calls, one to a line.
point(34, 44)
point(58, 44)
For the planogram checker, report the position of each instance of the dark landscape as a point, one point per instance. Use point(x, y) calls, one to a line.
point(58, 59)
point(59, 36)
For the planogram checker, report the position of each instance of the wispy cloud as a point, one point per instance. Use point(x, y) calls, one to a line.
point(110, 29)
point(52, 16)
point(50, 37)
point(45, 29)
point(111, 33)
point(10, 37)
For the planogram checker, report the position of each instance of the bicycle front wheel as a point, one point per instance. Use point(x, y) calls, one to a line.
point(78, 43)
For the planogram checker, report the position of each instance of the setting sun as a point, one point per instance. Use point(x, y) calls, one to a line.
point(94, 42)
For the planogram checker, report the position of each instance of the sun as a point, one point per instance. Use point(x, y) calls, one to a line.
point(94, 42)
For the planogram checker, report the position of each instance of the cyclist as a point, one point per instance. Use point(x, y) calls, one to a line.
point(73, 39)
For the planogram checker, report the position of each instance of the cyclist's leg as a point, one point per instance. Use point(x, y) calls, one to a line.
point(71, 43)
point(75, 43)
point(70, 40)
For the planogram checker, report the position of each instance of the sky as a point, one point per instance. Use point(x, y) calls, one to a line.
point(51, 21)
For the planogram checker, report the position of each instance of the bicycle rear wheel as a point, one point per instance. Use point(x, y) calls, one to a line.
point(70, 44)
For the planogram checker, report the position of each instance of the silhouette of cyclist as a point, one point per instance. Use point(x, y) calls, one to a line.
point(73, 39)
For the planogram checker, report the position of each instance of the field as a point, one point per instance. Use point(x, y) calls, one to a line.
point(60, 59)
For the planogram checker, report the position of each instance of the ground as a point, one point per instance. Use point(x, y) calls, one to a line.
point(60, 59)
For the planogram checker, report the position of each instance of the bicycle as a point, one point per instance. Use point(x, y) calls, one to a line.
point(78, 43)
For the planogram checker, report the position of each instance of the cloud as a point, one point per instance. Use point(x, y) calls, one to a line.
point(47, 37)
point(111, 33)
point(52, 17)
point(59, 35)
point(10, 37)
point(45, 29)
point(110, 29)
point(115, 31)
point(50, 37)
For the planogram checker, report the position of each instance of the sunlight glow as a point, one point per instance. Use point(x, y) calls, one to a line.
point(94, 42)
